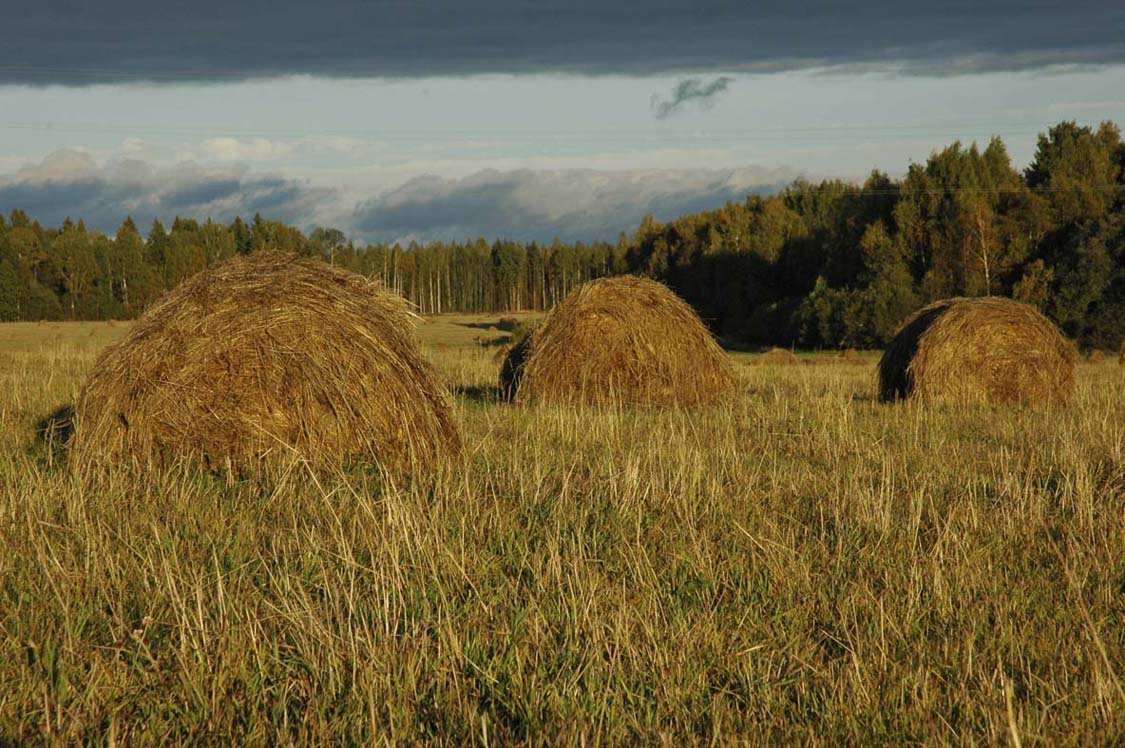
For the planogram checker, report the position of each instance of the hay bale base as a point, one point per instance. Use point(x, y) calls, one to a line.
point(990, 349)
point(266, 359)
point(620, 340)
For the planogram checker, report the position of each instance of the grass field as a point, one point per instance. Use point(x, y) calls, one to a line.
point(803, 566)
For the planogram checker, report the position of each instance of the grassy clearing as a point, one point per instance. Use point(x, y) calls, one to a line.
point(806, 565)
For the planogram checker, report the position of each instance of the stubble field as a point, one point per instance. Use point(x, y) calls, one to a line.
point(805, 565)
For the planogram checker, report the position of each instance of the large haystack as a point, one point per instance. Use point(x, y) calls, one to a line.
point(620, 340)
point(262, 360)
point(979, 350)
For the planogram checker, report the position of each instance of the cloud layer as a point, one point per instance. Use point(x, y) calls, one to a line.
point(574, 204)
point(526, 204)
point(72, 183)
point(128, 40)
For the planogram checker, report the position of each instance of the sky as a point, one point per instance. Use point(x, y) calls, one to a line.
point(417, 119)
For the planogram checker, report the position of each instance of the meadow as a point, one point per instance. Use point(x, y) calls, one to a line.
point(804, 565)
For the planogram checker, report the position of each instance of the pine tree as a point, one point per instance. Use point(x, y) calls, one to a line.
point(242, 238)
point(157, 244)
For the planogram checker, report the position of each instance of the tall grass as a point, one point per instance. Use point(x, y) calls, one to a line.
point(805, 565)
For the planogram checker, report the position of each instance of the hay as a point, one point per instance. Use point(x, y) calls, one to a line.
point(1095, 357)
point(262, 360)
point(777, 357)
point(619, 340)
point(978, 350)
point(1121, 355)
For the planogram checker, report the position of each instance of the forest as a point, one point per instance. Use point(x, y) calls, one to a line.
point(819, 265)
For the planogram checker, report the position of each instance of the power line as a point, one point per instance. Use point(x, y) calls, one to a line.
point(906, 191)
point(796, 134)
point(119, 75)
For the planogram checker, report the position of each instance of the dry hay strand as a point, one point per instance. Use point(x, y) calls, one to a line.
point(1095, 357)
point(262, 361)
point(777, 357)
point(989, 349)
point(619, 340)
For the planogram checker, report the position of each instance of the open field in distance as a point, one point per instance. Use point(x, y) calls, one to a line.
point(804, 565)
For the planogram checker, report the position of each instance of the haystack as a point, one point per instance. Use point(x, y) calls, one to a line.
point(1095, 357)
point(777, 357)
point(990, 349)
point(620, 340)
point(260, 361)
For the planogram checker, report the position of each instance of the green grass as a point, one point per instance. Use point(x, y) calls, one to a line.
point(804, 566)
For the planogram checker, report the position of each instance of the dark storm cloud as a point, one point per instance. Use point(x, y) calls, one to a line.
point(541, 205)
point(80, 43)
point(207, 189)
point(71, 183)
point(691, 90)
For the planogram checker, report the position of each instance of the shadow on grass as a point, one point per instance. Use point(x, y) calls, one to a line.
point(57, 428)
point(503, 324)
point(496, 342)
point(54, 432)
point(490, 394)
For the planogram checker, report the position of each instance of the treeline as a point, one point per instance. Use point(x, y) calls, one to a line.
point(819, 265)
point(70, 272)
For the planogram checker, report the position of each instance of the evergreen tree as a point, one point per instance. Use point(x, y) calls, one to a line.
point(157, 244)
point(10, 285)
point(243, 240)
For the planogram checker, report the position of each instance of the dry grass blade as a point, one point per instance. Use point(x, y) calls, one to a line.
point(264, 359)
point(979, 350)
point(625, 340)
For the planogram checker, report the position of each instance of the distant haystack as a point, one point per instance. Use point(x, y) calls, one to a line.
point(1095, 357)
point(979, 350)
point(261, 360)
point(777, 357)
point(623, 339)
